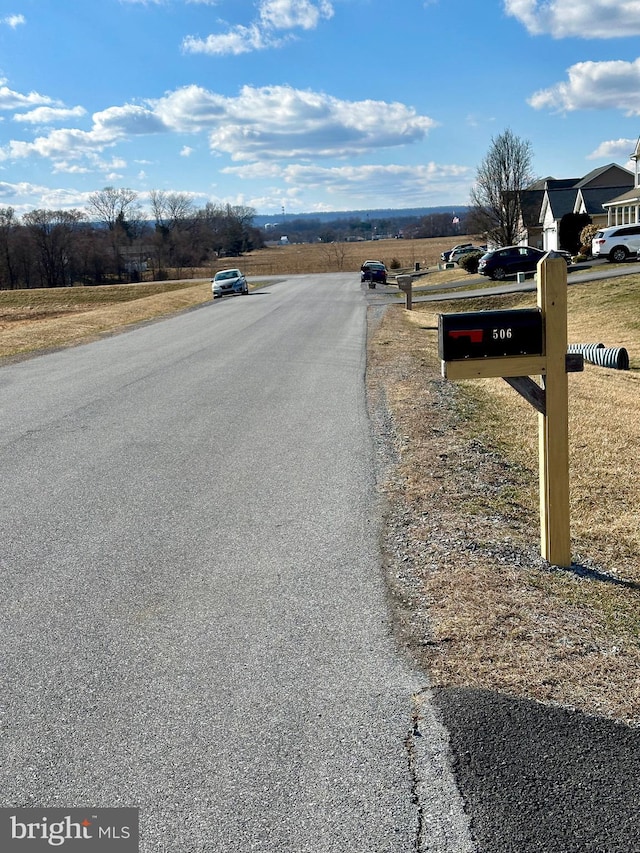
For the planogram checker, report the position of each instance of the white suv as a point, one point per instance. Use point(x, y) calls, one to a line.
point(616, 243)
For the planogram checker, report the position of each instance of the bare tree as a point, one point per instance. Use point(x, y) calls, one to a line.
point(171, 209)
point(52, 233)
point(113, 206)
point(8, 229)
point(503, 174)
point(118, 209)
point(175, 221)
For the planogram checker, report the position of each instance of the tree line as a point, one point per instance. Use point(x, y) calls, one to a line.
point(113, 241)
point(303, 229)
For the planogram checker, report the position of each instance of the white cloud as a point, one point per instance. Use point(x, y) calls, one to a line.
point(235, 42)
point(407, 184)
point(191, 109)
point(10, 100)
point(614, 150)
point(279, 122)
point(24, 197)
point(291, 14)
point(74, 150)
point(274, 17)
point(13, 21)
point(596, 86)
point(259, 124)
point(46, 115)
point(130, 120)
point(577, 18)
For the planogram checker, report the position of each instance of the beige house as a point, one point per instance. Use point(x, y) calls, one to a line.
point(625, 208)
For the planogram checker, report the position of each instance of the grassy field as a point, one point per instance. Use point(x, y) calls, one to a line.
point(341, 257)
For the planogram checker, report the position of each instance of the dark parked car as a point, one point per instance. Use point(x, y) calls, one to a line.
point(509, 260)
point(373, 271)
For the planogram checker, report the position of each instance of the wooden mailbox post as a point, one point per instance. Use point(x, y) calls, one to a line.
point(405, 284)
point(517, 345)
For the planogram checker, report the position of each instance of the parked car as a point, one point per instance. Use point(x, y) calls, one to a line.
point(446, 256)
point(510, 260)
point(373, 271)
point(460, 251)
point(366, 264)
point(616, 243)
point(228, 282)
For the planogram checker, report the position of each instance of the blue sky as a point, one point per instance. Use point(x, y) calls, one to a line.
point(307, 105)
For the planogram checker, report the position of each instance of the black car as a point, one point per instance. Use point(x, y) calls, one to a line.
point(373, 271)
point(509, 260)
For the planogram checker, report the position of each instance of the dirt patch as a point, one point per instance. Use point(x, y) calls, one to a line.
point(476, 604)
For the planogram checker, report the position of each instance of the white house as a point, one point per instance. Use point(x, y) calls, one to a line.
point(552, 202)
point(625, 208)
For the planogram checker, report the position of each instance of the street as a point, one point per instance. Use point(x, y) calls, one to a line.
point(194, 618)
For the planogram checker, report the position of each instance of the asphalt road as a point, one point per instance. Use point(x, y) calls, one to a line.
point(194, 619)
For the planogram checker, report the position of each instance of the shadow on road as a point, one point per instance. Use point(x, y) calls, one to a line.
point(539, 779)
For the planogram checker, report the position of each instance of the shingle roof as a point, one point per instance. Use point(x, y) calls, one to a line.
point(530, 204)
point(618, 177)
point(594, 199)
point(561, 201)
point(631, 195)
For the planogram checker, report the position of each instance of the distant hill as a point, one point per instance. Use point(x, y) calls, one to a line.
point(381, 213)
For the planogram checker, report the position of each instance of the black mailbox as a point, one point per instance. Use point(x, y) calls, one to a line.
point(490, 334)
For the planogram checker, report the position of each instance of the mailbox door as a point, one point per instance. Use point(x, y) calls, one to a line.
point(490, 334)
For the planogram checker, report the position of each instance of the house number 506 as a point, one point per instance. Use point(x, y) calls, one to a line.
point(502, 334)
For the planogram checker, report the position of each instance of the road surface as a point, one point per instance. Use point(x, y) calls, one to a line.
point(194, 619)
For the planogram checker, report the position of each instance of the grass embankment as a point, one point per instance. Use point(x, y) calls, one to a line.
point(482, 608)
point(41, 319)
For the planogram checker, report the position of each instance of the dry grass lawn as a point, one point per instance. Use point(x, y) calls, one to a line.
point(479, 606)
point(36, 320)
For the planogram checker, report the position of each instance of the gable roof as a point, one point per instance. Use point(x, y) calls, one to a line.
point(594, 190)
point(561, 184)
point(592, 200)
point(610, 175)
point(530, 205)
point(559, 201)
point(592, 193)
